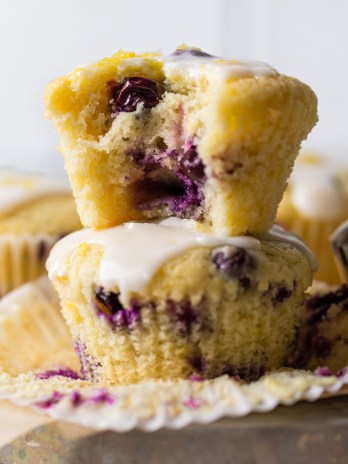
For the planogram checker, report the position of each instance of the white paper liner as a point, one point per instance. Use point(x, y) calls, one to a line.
point(149, 405)
point(22, 258)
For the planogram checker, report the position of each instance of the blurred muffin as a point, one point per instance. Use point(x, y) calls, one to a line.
point(322, 340)
point(314, 205)
point(163, 301)
point(188, 135)
point(35, 211)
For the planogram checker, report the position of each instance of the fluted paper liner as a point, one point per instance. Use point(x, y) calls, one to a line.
point(29, 317)
point(22, 258)
point(316, 233)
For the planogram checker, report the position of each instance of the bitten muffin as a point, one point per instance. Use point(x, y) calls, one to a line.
point(187, 135)
point(35, 211)
point(314, 205)
point(322, 340)
point(163, 301)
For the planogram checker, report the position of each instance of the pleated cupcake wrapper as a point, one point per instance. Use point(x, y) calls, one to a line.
point(339, 244)
point(148, 406)
point(33, 333)
point(316, 234)
point(22, 258)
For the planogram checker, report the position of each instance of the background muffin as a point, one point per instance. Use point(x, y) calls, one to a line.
point(314, 205)
point(35, 211)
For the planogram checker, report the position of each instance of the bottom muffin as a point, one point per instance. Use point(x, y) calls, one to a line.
point(153, 301)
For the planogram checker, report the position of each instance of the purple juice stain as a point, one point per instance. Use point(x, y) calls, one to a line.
point(281, 294)
point(235, 265)
point(132, 91)
point(50, 401)
point(179, 188)
point(88, 368)
point(60, 372)
point(109, 307)
point(318, 305)
point(100, 396)
point(323, 372)
point(183, 314)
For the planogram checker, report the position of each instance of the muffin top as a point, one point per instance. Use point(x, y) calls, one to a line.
point(32, 203)
point(316, 190)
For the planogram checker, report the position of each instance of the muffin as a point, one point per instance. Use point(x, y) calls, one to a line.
point(165, 301)
point(187, 135)
point(322, 339)
point(35, 211)
point(313, 206)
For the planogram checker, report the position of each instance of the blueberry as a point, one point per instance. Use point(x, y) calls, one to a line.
point(235, 265)
point(318, 305)
point(191, 52)
point(192, 165)
point(130, 92)
point(109, 308)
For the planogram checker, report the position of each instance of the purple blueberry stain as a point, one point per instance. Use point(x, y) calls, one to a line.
point(234, 264)
point(109, 307)
point(323, 372)
point(88, 367)
point(342, 372)
point(132, 91)
point(76, 398)
point(280, 294)
point(318, 305)
point(50, 401)
point(100, 396)
point(183, 314)
point(172, 178)
point(322, 347)
point(59, 372)
point(193, 403)
point(199, 365)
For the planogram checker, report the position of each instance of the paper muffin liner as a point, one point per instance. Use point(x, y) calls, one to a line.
point(339, 243)
point(33, 334)
point(22, 258)
point(316, 233)
point(37, 360)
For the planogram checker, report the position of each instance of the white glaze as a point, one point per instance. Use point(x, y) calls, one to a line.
point(318, 199)
point(19, 188)
point(134, 251)
point(278, 234)
point(192, 66)
point(316, 192)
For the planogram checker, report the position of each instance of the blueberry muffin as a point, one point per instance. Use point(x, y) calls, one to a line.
point(35, 211)
point(314, 205)
point(187, 135)
point(322, 339)
point(164, 301)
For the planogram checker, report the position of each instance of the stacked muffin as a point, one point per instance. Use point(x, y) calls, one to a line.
point(198, 149)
